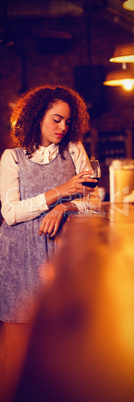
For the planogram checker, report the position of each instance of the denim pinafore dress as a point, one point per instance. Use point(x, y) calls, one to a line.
point(22, 250)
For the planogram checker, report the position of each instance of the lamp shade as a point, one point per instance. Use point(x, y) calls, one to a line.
point(124, 54)
point(129, 4)
point(120, 78)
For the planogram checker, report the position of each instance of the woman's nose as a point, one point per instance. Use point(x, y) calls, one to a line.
point(62, 125)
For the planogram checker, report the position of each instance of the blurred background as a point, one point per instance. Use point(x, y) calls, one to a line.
point(70, 43)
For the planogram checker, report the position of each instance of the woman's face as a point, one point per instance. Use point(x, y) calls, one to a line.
point(55, 123)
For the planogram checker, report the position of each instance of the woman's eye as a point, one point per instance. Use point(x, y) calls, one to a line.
point(57, 121)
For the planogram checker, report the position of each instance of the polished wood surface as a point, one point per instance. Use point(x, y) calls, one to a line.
point(101, 247)
point(118, 212)
point(82, 342)
point(116, 220)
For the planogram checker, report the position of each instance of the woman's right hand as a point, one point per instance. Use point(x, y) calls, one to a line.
point(71, 187)
point(74, 185)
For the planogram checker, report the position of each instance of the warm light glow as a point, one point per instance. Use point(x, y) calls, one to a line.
point(123, 53)
point(124, 66)
point(123, 59)
point(129, 5)
point(127, 85)
point(122, 78)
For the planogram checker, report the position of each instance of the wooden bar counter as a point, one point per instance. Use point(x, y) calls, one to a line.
point(99, 250)
point(82, 342)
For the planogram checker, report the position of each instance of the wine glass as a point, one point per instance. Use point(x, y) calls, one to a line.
point(96, 171)
point(93, 200)
point(95, 174)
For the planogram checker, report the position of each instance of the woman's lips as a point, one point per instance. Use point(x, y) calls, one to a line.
point(60, 135)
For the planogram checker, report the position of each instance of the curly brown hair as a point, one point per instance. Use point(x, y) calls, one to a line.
point(30, 110)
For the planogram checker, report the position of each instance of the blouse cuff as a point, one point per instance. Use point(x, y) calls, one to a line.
point(80, 205)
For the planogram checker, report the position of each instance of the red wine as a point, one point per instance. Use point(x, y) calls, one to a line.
point(91, 183)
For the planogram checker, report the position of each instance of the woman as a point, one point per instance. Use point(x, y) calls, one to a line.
point(41, 181)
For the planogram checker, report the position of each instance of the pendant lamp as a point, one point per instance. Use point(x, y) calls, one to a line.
point(129, 4)
point(124, 53)
point(122, 78)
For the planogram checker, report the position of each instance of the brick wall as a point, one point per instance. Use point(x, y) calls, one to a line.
point(27, 64)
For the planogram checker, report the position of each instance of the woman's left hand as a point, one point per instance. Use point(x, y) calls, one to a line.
point(51, 221)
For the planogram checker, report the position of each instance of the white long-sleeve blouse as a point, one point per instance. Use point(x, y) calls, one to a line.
point(15, 210)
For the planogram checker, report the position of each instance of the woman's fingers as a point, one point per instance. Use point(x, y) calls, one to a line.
point(42, 226)
point(84, 190)
point(51, 221)
point(85, 173)
point(49, 227)
point(46, 226)
point(88, 179)
point(74, 185)
point(56, 226)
